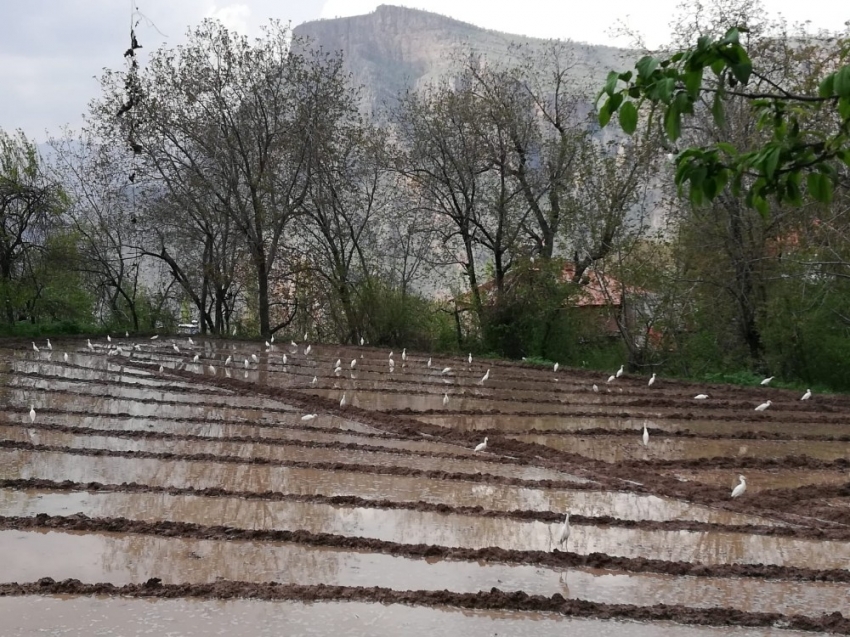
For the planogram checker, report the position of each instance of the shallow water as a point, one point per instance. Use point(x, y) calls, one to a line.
point(252, 618)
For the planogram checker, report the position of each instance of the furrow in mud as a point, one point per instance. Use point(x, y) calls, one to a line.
point(493, 599)
point(554, 559)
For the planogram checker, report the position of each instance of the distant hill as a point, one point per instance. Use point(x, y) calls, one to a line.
point(395, 48)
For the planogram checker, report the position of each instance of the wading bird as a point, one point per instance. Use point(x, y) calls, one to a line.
point(807, 395)
point(484, 378)
point(481, 446)
point(701, 397)
point(314, 381)
point(307, 351)
point(612, 378)
point(32, 413)
point(651, 380)
point(555, 368)
point(645, 436)
point(154, 337)
point(353, 363)
point(596, 388)
point(469, 360)
point(565, 530)
point(227, 362)
point(49, 346)
point(89, 345)
point(195, 358)
point(254, 358)
point(766, 381)
point(362, 341)
point(66, 357)
point(445, 399)
point(763, 406)
point(620, 371)
point(446, 370)
point(342, 400)
point(176, 349)
point(35, 348)
point(429, 362)
point(404, 354)
point(739, 490)
point(308, 417)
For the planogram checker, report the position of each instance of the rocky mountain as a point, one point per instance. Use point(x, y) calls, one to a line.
point(395, 48)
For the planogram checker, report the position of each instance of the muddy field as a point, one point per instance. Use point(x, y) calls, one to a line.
point(243, 490)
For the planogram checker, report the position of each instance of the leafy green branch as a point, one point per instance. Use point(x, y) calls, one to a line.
point(715, 71)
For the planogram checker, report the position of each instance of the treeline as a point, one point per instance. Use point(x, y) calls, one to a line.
point(239, 184)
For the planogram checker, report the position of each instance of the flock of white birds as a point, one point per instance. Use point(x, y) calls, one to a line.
point(190, 344)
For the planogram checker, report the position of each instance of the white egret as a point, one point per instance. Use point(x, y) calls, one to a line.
point(645, 436)
point(126, 334)
point(246, 363)
point(338, 371)
point(154, 337)
point(739, 490)
point(272, 340)
point(308, 417)
point(651, 380)
point(227, 362)
point(342, 400)
point(108, 338)
point(362, 341)
point(701, 397)
point(32, 413)
point(66, 357)
point(176, 349)
point(119, 350)
point(305, 336)
point(766, 381)
point(338, 363)
point(89, 345)
point(195, 358)
point(446, 370)
point(294, 344)
point(404, 354)
point(481, 446)
point(763, 406)
point(555, 369)
point(160, 368)
point(314, 381)
point(429, 362)
point(137, 347)
point(807, 395)
point(445, 399)
point(595, 388)
point(212, 369)
point(391, 353)
point(191, 342)
point(284, 359)
point(35, 348)
point(49, 346)
point(254, 358)
point(620, 371)
point(612, 378)
point(353, 363)
point(268, 345)
point(307, 351)
point(565, 530)
point(469, 360)
point(484, 378)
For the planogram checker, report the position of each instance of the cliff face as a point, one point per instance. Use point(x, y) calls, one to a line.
point(396, 48)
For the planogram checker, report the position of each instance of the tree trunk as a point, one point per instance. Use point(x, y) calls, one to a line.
point(263, 294)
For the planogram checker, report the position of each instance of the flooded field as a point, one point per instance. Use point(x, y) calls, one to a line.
point(254, 489)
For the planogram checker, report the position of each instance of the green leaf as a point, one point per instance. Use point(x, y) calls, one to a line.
point(842, 81)
point(727, 148)
point(665, 89)
point(792, 185)
point(844, 108)
point(742, 71)
point(693, 82)
point(605, 113)
point(731, 37)
point(626, 77)
point(628, 118)
point(646, 66)
point(718, 65)
point(718, 112)
point(611, 82)
point(673, 122)
point(771, 161)
point(703, 42)
point(819, 187)
point(827, 86)
point(844, 155)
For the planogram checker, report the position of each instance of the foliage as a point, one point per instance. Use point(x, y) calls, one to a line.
point(806, 135)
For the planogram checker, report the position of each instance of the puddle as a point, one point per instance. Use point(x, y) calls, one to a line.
point(761, 480)
point(253, 618)
point(179, 473)
point(283, 453)
point(616, 449)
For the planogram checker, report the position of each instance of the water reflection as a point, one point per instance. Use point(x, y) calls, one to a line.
point(231, 476)
point(252, 618)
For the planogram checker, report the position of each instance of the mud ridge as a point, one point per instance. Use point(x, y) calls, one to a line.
point(483, 600)
point(351, 501)
point(296, 464)
point(554, 559)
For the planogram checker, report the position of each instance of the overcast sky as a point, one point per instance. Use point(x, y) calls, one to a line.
point(52, 50)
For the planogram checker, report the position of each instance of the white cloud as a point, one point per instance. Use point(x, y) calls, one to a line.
point(235, 17)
